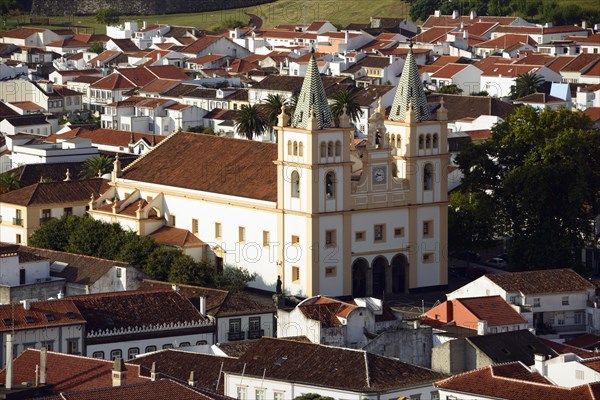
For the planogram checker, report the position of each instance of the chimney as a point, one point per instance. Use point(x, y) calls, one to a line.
point(540, 364)
point(144, 24)
point(26, 303)
point(60, 295)
point(118, 372)
point(482, 326)
point(9, 361)
point(153, 373)
point(455, 14)
point(472, 14)
point(584, 24)
point(202, 305)
point(192, 381)
point(43, 364)
point(437, 13)
point(116, 172)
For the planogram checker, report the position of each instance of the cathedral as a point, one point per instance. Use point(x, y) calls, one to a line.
point(308, 209)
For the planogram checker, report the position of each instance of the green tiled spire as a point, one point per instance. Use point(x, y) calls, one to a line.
point(312, 100)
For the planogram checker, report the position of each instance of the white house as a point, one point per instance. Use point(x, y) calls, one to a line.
point(498, 78)
point(464, 76)
point(308, 215)
point(556, 299)
point(588, 96)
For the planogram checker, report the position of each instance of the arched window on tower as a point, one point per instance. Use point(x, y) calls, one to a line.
point(421, 142)
point(295, 148)
point(435, 141)
point(428, 177)
point(330, 149)
point(338, 148)
point(323, 149)
point(289, 147)
point(428, 141)
point(301, 149)
point(295, 184)
point(330, 185)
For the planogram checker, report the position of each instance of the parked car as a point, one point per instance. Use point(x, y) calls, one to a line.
point(497, 262)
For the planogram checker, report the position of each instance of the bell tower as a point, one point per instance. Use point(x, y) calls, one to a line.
point(420, 151)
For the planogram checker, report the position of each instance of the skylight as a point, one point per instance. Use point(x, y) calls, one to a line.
point(29, 319)
point(8, 321)
point(49, 317)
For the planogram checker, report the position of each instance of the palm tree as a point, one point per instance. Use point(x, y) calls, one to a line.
point(525, 84)
point(8, 182)
point(250, 121)
point(95, 166)
point(346, 98)
point(272, 108)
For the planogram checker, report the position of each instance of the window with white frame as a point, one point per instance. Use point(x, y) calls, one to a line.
point(241, 392)
point(115, 354)
point(565, 300)
point(259, 394)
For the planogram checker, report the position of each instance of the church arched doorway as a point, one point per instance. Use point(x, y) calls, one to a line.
point(379, 267)
point(400, 273)
point(359, 277)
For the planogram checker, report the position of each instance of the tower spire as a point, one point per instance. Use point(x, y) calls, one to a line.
point(312, 101)
point(410, 91)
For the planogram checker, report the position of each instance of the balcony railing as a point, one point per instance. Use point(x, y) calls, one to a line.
point(18, 221)
point(256, 334)
point(233, 336)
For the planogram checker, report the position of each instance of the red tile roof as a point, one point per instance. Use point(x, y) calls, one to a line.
point(170, 236)
point(107, 136)
point(479, 28)
point(26, 105)
point(432, 35)
point(325, 310)
point(447, 20)
point(544, 281)
point(21, 33)
point(593, 113)
point(592, 39)
point(493, 309)
point(200, 44)
point(226, 164)
point(509, 70)
point(504, 41)
point(562, 348)
point(581, 62)
point(60, 192)
point(69, 373)
point(38, 312)
point(449, 70)
point(594, 70)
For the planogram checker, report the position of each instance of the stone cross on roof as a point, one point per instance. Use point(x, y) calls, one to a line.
point(312, 101)
point(410, 92)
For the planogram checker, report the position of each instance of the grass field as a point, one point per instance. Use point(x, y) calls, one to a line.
point(339, 12)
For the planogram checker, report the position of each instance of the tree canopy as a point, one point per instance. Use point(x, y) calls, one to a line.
point(539, 178)
point(251, 122)
point(107, 16)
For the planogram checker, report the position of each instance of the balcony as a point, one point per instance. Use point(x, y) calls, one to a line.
point(256, 334)
point(233, 336)
point(18, 221)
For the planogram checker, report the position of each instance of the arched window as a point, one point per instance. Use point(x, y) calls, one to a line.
point(421, 142)
point(330, 185)
point(428, 177)
point(435, 141)
point(295, 148)
point(295, 184)
point(323, 149)
point(289, 147)
point(428, 141)
point(330, 149)
point(338, 148)
point(301, 149)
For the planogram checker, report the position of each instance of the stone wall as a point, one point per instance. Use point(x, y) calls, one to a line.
point(137, 7)
point(41, 291)
point(407, 344)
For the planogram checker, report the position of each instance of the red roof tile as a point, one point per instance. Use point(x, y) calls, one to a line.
point(107, 136)
point(200, 44)
point(170, 236)
point(493, 309)
point(325, 310)
point(504, 41)
point(543, 281)
point(449, 70)
point(38, 312)
point(447, 20)
point(21, 33)
point(60, 192)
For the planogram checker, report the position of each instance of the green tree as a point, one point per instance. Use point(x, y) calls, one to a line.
point(97, 47)
point(185, 270)
point(160, 261)
point(482, 93)
point(95, 166)
point(6, 6)
point(9, 181)
point(234, 279)
point(470, 221)
point(420, 10)
point(312, 396)
point(107, 16)
point(55, 233)
point(136, 250)
point(449, 89)
point(525, 84)
point(540, 169)
point(349, 99)
point(272, 108)
point(250, 121)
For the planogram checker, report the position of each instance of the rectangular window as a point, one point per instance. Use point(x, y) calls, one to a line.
point(266, 238)
point(330, 238)
point(398, 232)
point(119, 272)
point(254, 324)
point(22, 276)
point(194, 226)
point(565, 300)
point(278, 395)
point(172, 220)
point(132, 352)
point(259, 394)
point(49, 344)
point(427, 228)
point(72, 346)
point(241, 234)
point(359, 236)
point(115, 354)
point(295, 274)
point(98, 354)
point(536, 302)
point(18, 238)
point(560, 318)
point(241, 393)
point(578, 317)
point(295, 239)
point(46, 214)
point(218, 230)
point(330, 272)
point(150, 349)
point(68, 211)
point(379, 233)
point(235, 325)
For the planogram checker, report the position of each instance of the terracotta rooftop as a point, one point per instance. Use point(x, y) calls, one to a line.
point(60, 192)
point(21, 33)
point(471, 106)
point(447, 20)
point(513, 381)
point(432, 35)
point(200, 44)
point(69, 373)
point(504, 41)
point(449, 70)
point(581, 63)
point(107, 137)
point(326, 310)
point(125, 45)
point(593, 113)
point(219, 303)
point(30, 174)
point(26, 105)
point(40, 314)
point(171, 236)
point(539, 282)
point(540, 98)
point(235, 167)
